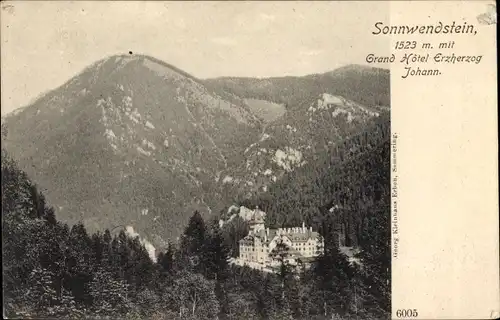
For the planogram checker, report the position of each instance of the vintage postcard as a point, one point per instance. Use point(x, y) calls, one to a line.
point(249, 160)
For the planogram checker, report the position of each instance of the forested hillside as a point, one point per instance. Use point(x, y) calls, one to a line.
point(371, 84)
point(53, 271)
point(345, 192)
point(132, 140)
point(347, 182)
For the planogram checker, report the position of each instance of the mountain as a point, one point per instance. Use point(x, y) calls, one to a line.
point(134, 141)
point(319, 111)
point(361, 84)
point(130, 140)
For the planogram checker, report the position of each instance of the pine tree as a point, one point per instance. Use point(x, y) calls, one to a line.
point(97, 247)
point(166, 260)
point(107, 253)
point(50, 216)
point(79, 262)
point(215, 255)
point(280, 253)
point(333, 275)
point(38, 201)
point(192, 241)
point(234, 231)
point(140, 268)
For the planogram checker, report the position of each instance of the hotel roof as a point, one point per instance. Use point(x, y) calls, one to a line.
point(294, 234)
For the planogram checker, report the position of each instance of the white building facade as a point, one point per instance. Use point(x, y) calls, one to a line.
point(257, 249)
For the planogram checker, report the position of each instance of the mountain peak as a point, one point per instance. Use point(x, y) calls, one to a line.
point(162, 67)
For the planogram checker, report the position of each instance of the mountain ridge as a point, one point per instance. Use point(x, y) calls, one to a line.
point(134, 140)
point(187, 74)
point(350, 66)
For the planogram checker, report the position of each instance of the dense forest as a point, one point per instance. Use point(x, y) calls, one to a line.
point(349, 185)
point(52, 270)
point(371, 86)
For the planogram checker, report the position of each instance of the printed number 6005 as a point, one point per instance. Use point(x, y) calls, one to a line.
point(407, 313)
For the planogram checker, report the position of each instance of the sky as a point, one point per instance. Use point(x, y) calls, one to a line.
point(43, 44)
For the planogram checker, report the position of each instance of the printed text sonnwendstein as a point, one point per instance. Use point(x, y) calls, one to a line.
point(437, 28)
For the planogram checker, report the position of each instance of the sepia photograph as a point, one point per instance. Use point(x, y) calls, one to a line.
point(195, 160)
